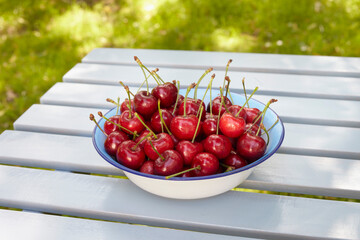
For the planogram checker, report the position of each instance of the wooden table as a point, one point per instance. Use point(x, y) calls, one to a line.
point(52, 178)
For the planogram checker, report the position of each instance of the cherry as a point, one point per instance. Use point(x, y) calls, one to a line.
point(251, 147)
point(216, 105)
point(131, 122)
point(188, 150)
point(110, 127)
point(162, 143)
point(155, 121)
point(187, 173)
point(219, 145)
point(147, 167)
point(209, 125)
point(125, 105)
point(232, 126)
point(252, 114)
point(130, 155)
point(236, 109)
point(168, 163)
point(252, 128)
point(141, 137)
point(205, 164)
point(113, 141)
point(234, 161)
point(167, 93)
point(145, 104)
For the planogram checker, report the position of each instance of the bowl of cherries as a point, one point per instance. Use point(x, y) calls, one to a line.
point(172, 143)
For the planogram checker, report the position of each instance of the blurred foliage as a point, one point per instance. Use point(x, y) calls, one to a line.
point(41, 40)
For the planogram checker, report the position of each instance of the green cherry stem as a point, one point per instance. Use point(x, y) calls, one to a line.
point(207, 89)
point(152, 145)
point(268, 136)
point(198, 124)
point(162, 120)
point(247, 100)
point(198, 167)
point(142, 122)
point(138, 143)
point(264, 112)
point(277, 120)
point(222, 101)
point(243, 83)
point(122, 84)
point(118, 106)
point(143, 67)
point(92, 118)
point(118, 125)
point(198, 82)
point(115, 103)
point(177, 97)
point(227, 86)
point(147, 84)
point(129, 103)
point(226, 71)
point(187, 93)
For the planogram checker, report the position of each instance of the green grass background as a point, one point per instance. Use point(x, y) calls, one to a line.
point(41, 40)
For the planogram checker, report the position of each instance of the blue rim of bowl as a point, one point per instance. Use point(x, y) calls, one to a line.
point(219, 175)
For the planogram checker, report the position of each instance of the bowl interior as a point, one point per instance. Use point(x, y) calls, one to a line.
point(276, 136)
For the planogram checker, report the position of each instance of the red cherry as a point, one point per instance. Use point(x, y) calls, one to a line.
point(141, 136)
point(113, 141)
point(125, 105)
point(235, 161)
point(216, 104)
point(251, 147)
point(167, 93)
point(171, 162)
point(192, 107)
point(161, 144)
point(130, 155)
point(145, 104)
point(234, 110)
point(252, 114)
point(232, 126)
point(209, 125)
point(254, 128)
point(219, 145)
point(147, 167)
point(187, 174)
point(184, 127)
point(208, 163)
point(188, 150)
point(132, 124)
point(110, 127)
point(156, 120)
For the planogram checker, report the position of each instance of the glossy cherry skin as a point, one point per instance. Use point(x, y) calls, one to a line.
point(232, 126)
point(161, 144)
point(234, 110)
point(156, 120)
point(253, 128)
point(235, 161)
point(219, 145)
point(130, 155)
point(141, 136)
point(192, 107)
point(147, 167)
point(251, 147)
point(184, 127)
point(109, 127)
point(208, 163)
point(252, 114)
point(171, 164)
point(133, 124)
point(216, 104)
point(189, 150)
point(113, 141)
point(145, 104)
point(209, 125)
point(167, 93)
point(125, 105)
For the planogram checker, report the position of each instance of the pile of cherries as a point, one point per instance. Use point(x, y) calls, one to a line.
point(164, 133)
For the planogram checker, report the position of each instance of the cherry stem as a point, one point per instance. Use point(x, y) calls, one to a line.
point(152, 145)
point(177, 97)
point(187, 93)
point(222, 101)
point(228, 168)
point(254, 122)
point(243, 83)
point(277, 120)
point(143, 67)
point(227, 86)
point(198, 124)
point(157, 75)
point(147, 84)
point(129, 103)
point(122, 84)
point(198, 82)
point(138, 143)
point(226, 71)
point(198, 167)
point(115, 103)
point(92, 118)
point(247, 100)
point(264, 112)
point(162, 120)
point(207, 89)
point(118, 125)
point(138, 117)
point(268, 136)
point(232, 100)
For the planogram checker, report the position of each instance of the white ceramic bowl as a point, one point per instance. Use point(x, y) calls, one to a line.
point(197, 187)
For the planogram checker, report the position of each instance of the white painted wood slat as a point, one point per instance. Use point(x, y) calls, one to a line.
point(314, 65)
point(290, 109)
point(268, 83)
point(232, 213)
point(283, 172)
point(299, 139)
point(35, 226)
